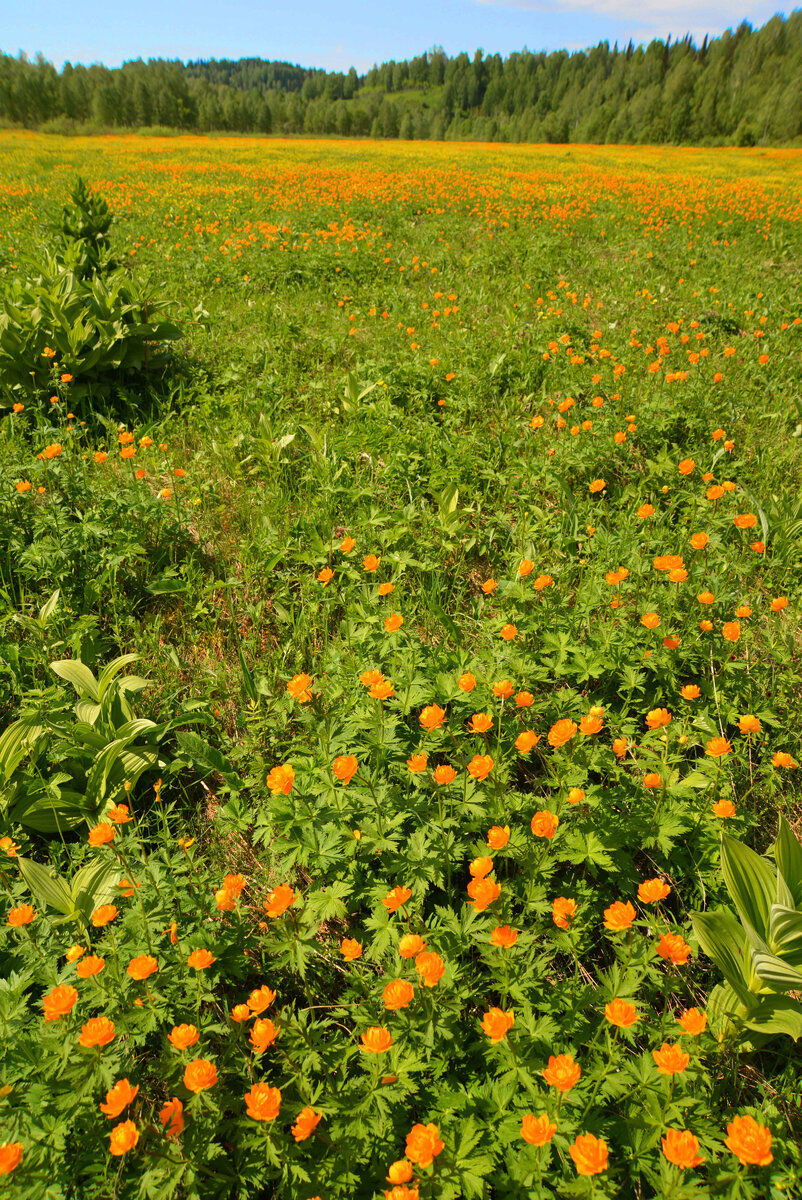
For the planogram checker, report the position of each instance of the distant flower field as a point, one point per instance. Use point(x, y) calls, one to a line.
point(399, 670)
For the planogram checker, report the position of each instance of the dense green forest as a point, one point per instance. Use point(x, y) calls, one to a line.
point(744, 87)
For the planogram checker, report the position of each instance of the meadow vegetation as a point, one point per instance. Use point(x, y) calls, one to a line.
point(399, 671)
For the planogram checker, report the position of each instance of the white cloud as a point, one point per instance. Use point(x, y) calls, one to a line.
point(645, 19)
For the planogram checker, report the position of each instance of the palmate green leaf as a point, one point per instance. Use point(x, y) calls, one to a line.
point(751, 882)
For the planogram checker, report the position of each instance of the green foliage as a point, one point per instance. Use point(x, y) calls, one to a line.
point(761, 956)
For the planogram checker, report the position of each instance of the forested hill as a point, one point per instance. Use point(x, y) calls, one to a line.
point(744, 87)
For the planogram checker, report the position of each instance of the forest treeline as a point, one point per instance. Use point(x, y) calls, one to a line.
point(744, 87)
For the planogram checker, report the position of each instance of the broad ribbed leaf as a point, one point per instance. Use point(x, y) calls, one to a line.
point(751, 882)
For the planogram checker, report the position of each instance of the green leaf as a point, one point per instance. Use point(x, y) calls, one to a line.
point(48, 888)
point(788, 854)
point(724, 941)
point(205, 758)
point(777, 1014)
point(751, 882)
point(79, 675)
point(786, 933)
point(777, 974)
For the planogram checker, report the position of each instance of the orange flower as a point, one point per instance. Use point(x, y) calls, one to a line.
point(371, 562)
point(575, 795)
point(621, 1012)
point(417, 763)
point(466, 682)
point(783, 759)
point(645, 510)
point(526, 741)
point(123, 1138)
point(171, 1115)
point(261, 998)
point(745, 521)
point(542, 582)
point(396, 898)
point(658, 718)
point(98, 1031)
point(119, 814)
point(400, 1171)
point(650, 620)
point(504, 937)
point(717, 747)
point(299, 688)
point(382, 690)
point(393, 622)
point(561, 732)
point(496, 1023)
point(481, 722)
point(526, 567)
point(562, 1072)
point(305, 1124)
point(731, 631)
point(263, 1034)
point(200, 1075)
point(280, 779)
point(423, 1144)
point(597, 485)
point(479, 767)
point(10, 1157)
point(430, 967)
point(620, 747)
point(489, 586)
point(143, 966)
point(23, 914)
point(432, 717)
point(103, 915)
point(74, 953)
point(686, 466)
point(693, 1021)
point(653, 890)
point(345, 767)
point(498, 836)
point(668, 562)
point(673, 948)
point(699, 540)
point(670, 1060)
point(592, 722)
point(705, 626)
point(183, 1036)
point(563, 912)
point(325, 576)
point(410, 945)
point(350, 949)
point(750, 1142)
point(589, 1154)
point(58, 1002)
point(652, 780)
point(483, 893)
point(509, 632)
point(690, 692)
point(347, 545)
point(503, 689)
point(89, 966)
point(263, 1102)
point(279, 900)
point(537, 1131)
point(524, 700)
point(101, 835)
point(397, 994)
point(118, 1098)
point(681, 1148)
point(444, 774)
point(481, 866)
point(777, 605)
point(544, 824)
point(376, 1040)
point(201, 959)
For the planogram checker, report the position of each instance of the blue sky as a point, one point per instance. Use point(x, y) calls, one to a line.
point(337, 34)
